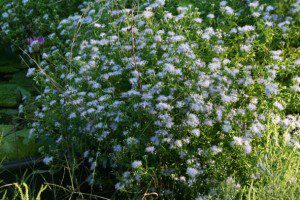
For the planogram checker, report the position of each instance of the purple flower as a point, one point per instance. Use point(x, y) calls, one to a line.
point(40, 40)
point(35, 44)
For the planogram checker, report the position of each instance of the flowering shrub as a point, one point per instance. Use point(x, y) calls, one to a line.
point(172, 100)
point(22, 19)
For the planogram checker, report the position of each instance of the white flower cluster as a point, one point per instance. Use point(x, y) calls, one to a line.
point(142, 89)
point(296, 84)
point(292, 135)
point(25, 19)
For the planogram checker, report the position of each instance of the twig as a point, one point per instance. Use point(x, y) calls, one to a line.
point(133, 46)
point(150, 194)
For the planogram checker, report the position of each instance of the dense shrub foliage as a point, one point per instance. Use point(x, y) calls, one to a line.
point(22, 19)
point(169, 97)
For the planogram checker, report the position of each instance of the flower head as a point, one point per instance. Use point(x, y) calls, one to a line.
point(35, 43)
point(135, 164)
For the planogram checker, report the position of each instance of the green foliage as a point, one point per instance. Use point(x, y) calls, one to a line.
point(279, 176)
point(8, 66)
point(20, 79)
point(11, 95)
point(15, 144)
point(24, 19)
point(8, 115)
